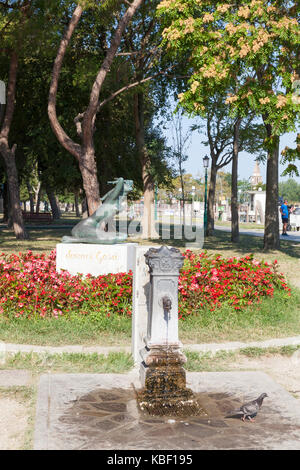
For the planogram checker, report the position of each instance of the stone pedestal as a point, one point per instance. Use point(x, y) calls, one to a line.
point(161, 373)
point(95, 259)
point(164, 381)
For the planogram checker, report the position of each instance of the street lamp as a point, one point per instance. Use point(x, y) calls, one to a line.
point(2, 99)
point(205, 164)
point(192, 205)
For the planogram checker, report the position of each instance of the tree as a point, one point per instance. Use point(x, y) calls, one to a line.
point(227, 135)
point(14, 20)
point(256, 43)
point(144, 63)
point(85, 121)
point(290, 189)
point(219, 133)
point(181, 141)
point(42, 162)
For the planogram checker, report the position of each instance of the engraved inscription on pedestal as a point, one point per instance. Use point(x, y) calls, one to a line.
point(94, 259)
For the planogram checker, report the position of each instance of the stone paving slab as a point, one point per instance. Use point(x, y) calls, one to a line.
point(29, 348)
point(99, 412)
point(14, 378)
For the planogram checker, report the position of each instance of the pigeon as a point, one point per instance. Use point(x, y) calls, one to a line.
point(249, 410)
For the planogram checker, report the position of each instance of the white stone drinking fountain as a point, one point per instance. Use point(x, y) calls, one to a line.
point(162, 376)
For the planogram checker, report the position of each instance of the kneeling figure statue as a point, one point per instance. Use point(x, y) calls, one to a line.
point(92, 229)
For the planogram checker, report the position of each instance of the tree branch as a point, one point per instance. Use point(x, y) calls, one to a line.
point(89, 116)
point(225, 160)
point(128, 87)
point(9, 7)
point(63, 138)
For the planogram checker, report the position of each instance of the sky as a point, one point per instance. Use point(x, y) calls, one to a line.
point(196, 151)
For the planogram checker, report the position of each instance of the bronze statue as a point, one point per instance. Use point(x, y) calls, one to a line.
point(92, 229)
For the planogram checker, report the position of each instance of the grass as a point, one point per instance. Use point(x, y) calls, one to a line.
point(40, 240)
point(228, 360)
point(273, 317)
point(243, 225)
point(56, 332)
point(114, 362)
point(120, 362)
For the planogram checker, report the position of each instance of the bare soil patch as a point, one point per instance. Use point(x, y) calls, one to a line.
point(13, 423)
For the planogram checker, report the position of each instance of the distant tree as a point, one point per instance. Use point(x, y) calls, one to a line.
point(180, 142)
point(290, 157)
point(226, 136)
point(290, 189)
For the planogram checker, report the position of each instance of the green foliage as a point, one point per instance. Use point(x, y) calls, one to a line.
point(39, 155)
point(290, 189)
point(290, 156)
point(251, 48)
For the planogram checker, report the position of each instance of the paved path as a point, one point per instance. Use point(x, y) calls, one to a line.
point(292, 237)
point(205, 347)
point(100, 411)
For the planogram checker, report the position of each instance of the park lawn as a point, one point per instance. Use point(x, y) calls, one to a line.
point(230, 360)
point(272, 318)
point(243, 225)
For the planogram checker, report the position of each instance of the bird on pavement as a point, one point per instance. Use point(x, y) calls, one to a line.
point(249, 410)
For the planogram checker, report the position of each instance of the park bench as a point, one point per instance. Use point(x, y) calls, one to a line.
point(37, 217)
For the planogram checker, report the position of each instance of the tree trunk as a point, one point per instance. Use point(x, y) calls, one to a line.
point(211, 200)
point(234, 184)
point(5, 203)
point(31, 198)
point(84, 209)
point(7, 217)
point(88, 169)
point(148, 222)
point(183, 194)
point(76, 202)
point(9, 153)
point(14, 192)
point(271, 235)
point(53, 203)
point(38, 199)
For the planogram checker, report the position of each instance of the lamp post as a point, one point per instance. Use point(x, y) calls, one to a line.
point(205, 164)
point(192, 205)
point(2, 99)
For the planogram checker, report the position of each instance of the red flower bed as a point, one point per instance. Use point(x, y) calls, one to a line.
point(31, 287)
point(207, 281)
